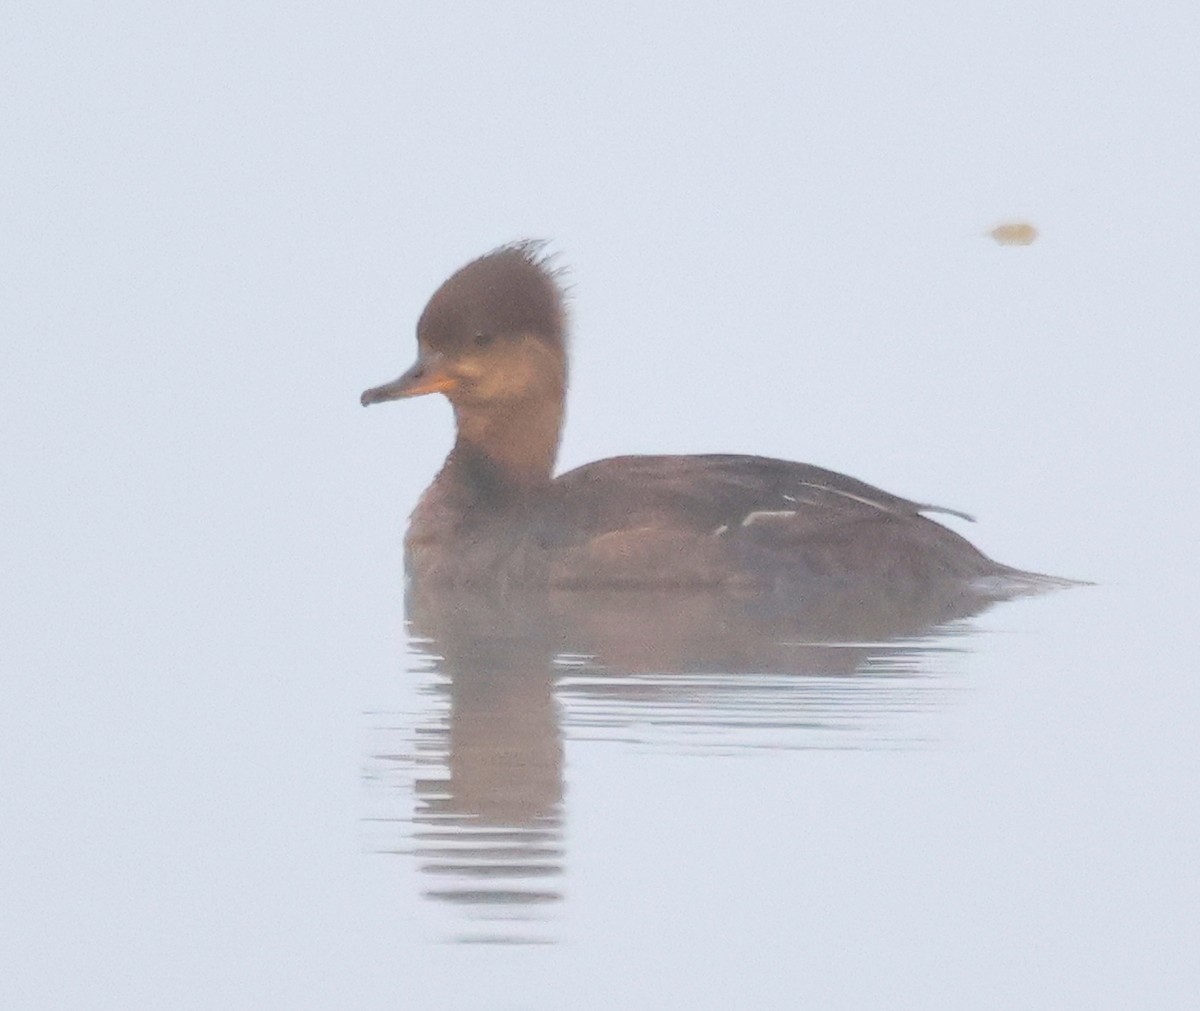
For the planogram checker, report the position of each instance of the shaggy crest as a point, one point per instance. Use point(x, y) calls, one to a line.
point(514, 289)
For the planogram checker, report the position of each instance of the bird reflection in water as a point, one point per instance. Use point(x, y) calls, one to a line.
point(518, 671)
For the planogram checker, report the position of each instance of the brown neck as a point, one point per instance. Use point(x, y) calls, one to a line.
point(510, 450)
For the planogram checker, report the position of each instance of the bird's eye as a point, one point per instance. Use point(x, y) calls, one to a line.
point(482, 340)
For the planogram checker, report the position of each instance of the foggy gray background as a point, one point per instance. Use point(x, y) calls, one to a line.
point(218, 225)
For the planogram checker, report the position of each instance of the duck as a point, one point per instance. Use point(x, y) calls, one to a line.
point(493, 340)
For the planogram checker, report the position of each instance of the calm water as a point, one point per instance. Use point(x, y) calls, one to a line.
point(235, 777)
point(232, 776)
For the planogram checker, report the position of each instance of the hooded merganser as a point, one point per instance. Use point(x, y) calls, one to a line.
point(493, 340)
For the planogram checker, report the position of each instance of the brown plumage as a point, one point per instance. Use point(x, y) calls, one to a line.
point(493, 340)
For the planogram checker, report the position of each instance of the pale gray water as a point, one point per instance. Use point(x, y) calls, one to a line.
point(229, 779)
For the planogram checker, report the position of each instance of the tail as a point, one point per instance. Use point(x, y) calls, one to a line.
point(1007, 582)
